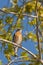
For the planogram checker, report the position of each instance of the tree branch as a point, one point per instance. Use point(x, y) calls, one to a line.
point(18, 14)
point(19, 47)
point(39, 45)
point(14, 13)
point(20, 59)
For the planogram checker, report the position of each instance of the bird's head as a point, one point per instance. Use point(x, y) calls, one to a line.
point(20, 30)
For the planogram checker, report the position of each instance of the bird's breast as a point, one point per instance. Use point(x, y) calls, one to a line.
point(19, 39)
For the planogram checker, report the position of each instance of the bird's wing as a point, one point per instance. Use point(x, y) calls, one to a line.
point(15, 38)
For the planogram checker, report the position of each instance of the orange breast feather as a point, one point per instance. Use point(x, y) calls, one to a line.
point(18, 37)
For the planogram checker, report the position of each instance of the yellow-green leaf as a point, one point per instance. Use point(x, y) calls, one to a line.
point(9, 19)
point(33, 22)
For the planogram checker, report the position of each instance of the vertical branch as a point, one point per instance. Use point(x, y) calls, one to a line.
point(39, 45)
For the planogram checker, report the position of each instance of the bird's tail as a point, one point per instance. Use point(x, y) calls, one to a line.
point(16, 50)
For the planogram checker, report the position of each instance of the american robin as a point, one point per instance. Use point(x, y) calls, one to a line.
point(17, 38)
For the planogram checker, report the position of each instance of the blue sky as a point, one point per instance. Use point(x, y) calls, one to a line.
point(27, 44)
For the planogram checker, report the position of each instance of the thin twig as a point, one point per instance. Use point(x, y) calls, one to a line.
point(20, 59)
point(39, 45)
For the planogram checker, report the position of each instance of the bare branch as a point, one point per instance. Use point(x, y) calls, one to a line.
point(39, 45)
point(19, 47)
point(14, 13)
point(18, 14)
point(20, 59)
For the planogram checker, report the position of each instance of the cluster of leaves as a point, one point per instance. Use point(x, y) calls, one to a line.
point(9, 51)
point(33, 37)
point(0, 62)
point(25, 56)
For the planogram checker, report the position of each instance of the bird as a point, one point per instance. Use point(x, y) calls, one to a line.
point(17, 38)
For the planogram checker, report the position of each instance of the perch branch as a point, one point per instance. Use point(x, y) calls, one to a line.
point(19, 47)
